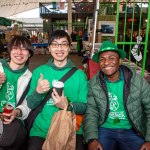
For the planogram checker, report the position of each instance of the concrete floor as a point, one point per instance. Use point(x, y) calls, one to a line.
point(39, 59)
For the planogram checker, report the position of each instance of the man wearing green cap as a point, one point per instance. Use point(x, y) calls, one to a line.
point(118, 108)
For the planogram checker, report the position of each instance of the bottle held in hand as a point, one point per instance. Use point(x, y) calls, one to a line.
point(8, 108)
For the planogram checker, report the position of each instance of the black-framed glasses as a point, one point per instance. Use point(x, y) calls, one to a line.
point(63, 45)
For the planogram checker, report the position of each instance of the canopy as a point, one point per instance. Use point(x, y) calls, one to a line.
point(5, 21)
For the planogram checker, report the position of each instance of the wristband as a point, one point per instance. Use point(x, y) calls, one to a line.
point(19, 113)
point(70, 106)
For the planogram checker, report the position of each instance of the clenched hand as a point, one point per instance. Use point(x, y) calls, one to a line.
point(59, 101)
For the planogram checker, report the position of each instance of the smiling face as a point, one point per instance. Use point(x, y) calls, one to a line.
point(20, 50)
point(19, 56)
point(59, 49)
point(109, 62)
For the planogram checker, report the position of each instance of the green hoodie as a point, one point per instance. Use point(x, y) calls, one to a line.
point(75, 89)
point(8, 90)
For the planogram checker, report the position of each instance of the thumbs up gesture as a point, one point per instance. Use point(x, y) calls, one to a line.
point(2, 77)
point(43, 85)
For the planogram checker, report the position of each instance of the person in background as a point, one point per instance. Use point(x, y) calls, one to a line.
point(34, 39)
point(79, 43)
point(75, 90)
point(39, 38)
point(2, 49)
point(118, 107)
point(1, 46)
point(14, 77)
point(73, 36)
point(85, 35)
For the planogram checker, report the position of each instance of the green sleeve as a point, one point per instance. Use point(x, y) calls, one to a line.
point(91, 117)
point(78, 108)
point(34, 100)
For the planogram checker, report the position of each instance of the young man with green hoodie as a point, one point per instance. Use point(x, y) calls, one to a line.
point(14, 78)
point(75, 90)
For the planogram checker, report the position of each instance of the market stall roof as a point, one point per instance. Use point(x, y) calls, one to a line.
point(8, 22)
point(5, 21)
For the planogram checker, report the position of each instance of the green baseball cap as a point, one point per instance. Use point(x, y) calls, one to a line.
point(108, 46)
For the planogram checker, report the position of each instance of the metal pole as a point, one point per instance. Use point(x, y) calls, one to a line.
point(70, 17)
point(94, 26)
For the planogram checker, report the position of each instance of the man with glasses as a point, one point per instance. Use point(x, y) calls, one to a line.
point(75, 90)
point(118, 107)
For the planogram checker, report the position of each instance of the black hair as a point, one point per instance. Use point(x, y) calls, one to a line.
point(57, 35)
point(19, 41)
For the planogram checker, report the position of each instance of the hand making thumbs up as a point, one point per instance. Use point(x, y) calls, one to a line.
point(43, 85)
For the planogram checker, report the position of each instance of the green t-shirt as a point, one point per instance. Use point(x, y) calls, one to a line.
point(117, 117)
point(75, 89)
point(9, 87)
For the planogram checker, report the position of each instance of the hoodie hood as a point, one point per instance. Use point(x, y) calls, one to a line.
point(68, 65)
point(5, 63)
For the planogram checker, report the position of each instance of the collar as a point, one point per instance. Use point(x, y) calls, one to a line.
point(121, 77)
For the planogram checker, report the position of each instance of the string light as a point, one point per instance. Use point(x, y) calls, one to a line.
point(26, 3)
point(17, 4)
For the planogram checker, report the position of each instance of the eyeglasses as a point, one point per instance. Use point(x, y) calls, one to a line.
point(63, 45)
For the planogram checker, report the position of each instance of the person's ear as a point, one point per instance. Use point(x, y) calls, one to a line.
point(49, 49)
point(120, 61)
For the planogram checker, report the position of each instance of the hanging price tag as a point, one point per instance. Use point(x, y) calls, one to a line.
point(137, 54)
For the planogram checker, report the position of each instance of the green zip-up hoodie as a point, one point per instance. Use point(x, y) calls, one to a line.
point(75, 89)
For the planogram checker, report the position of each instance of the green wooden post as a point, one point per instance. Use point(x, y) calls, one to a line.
point(117, 20)
point(146, 39)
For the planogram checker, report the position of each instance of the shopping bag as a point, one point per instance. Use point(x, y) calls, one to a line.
point(62, 132)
